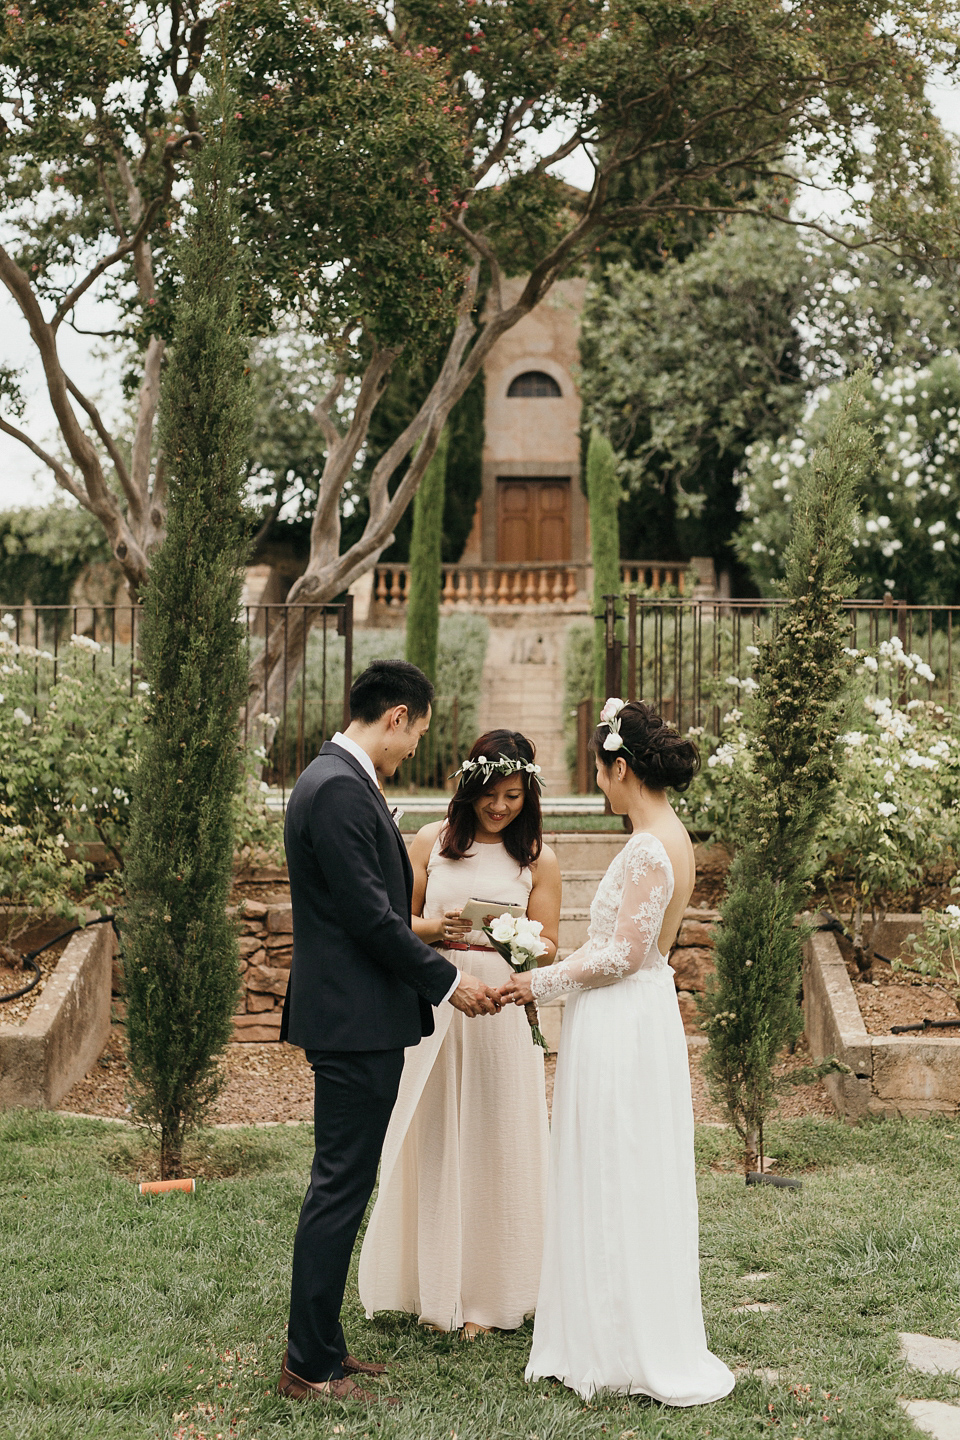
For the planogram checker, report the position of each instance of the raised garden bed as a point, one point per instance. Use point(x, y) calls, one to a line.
point(66, 1028)
point(916, 1073)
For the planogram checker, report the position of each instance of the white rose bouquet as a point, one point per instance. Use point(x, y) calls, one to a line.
point(517, 939)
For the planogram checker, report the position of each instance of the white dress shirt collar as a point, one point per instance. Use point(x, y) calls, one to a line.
point(352, 748)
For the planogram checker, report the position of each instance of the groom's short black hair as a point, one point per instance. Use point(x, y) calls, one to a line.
point(387, 683)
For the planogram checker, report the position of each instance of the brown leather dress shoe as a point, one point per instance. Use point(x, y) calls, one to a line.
point(353, 1366)
point(296, 1388)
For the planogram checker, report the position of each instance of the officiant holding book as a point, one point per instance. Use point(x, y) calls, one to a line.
point(465, 1157)
point(362, 989)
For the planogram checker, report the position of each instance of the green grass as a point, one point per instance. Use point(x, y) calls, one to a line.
point(164, 1318)
point(412, 820)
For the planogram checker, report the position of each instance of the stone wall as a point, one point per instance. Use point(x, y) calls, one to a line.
point(266, 950)
point(692, 961)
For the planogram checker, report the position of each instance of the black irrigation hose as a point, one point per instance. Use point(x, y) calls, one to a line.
point(31, 959)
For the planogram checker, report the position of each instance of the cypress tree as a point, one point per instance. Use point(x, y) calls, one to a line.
point(181, 960)
point(603, 495)
point(426, 572)
point(752, 1006)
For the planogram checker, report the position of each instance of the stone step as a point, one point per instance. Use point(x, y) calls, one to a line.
point(574, 924)
point(585, 852)
point(580, 886)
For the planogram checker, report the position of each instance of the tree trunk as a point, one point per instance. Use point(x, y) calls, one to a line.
point(751, 1156)
point(171, 1150)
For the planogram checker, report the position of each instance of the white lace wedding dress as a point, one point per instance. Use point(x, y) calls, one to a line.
point(619, 1304)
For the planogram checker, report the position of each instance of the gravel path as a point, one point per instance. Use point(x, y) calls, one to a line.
point(274, 1083)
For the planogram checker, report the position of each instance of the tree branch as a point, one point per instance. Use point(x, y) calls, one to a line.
point(123, 474)
point(64, 478)
point(321, 412)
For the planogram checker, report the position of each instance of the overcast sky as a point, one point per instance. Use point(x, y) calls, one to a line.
point(24, 481)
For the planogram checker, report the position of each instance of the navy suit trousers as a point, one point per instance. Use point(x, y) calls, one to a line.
point(354, 1095)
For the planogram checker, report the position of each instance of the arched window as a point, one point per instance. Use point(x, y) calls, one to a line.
point(534, 385)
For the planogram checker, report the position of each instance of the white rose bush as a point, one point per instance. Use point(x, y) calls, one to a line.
point(907, 536)
point(897, 809)
point(935, 952)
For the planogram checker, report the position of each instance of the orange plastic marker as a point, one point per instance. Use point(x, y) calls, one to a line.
point(163, 1187)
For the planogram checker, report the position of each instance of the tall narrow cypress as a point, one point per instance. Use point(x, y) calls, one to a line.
point(603, 495)
point(426, 570)
point(181, 960)
point(752, 1007)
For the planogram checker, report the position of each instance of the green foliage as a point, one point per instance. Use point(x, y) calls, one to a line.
point(603, 494)
point(896, 814)
point(69, 738)
point(936, 950)
point(352, 156)
point(751, 1008)
point(907, 538)
point(38, 879)
point(426, 576)
point(180, 949)
point(44, 549)
point(687, 365)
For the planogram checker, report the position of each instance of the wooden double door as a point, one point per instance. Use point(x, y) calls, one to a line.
point(533, 520)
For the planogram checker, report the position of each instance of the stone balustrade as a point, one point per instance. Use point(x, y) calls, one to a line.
point(541, 583)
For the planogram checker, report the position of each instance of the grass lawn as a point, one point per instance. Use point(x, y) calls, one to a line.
point(165, 1317)
point(412, 820)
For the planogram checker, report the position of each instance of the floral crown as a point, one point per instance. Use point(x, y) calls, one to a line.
point(610, 716)
point(502, 765)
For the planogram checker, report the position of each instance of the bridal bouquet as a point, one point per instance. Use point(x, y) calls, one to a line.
point(517, 939)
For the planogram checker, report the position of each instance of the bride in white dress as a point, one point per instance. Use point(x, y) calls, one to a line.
point(619, 1305)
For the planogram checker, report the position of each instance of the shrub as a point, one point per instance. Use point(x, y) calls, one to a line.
point(907, 537)
point(751, 1008)
point(426, 574)
point(180, 949)
point(69, 734)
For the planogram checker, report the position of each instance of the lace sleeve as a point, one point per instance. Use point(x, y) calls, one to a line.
point(647, 890)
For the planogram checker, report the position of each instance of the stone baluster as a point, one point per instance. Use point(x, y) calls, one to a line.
point(530, 589)
point(571, 582)
point(489, 587)
point(503, 593)
point(449, 585)
point(381, 596)
point(557, 587)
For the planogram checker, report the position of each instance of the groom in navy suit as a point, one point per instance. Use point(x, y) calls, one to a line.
point(362, 987)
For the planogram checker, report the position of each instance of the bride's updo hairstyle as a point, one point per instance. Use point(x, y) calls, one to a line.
point(658, 755)
point(523, 837)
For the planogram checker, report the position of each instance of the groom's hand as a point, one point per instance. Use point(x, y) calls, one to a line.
point(474, 998)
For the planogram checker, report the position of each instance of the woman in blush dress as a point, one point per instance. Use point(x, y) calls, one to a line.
point(619, 1306)
point(466, 1150)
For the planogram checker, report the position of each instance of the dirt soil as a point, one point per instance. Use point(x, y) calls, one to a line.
point(14, 975)
point(889, 997)
point(273, 1082)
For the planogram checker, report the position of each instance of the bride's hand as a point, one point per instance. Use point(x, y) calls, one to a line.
point(517, 990)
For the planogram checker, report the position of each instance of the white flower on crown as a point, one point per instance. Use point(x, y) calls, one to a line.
point(611, 710)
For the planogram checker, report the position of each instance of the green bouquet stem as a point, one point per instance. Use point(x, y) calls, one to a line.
point(518, 967)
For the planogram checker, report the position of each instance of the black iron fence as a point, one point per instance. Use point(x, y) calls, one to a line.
point(692, 659)
point(307, 648)
point(439, 753)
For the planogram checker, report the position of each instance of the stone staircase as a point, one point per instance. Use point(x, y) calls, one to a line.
point(523, 690)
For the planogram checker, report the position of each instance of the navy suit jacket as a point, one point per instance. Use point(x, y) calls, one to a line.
point(360, 978)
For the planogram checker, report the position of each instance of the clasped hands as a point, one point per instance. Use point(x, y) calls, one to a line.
point(472, 996)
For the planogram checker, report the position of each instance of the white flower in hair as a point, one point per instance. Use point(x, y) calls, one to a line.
point(611, 710)
point(613, 741)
